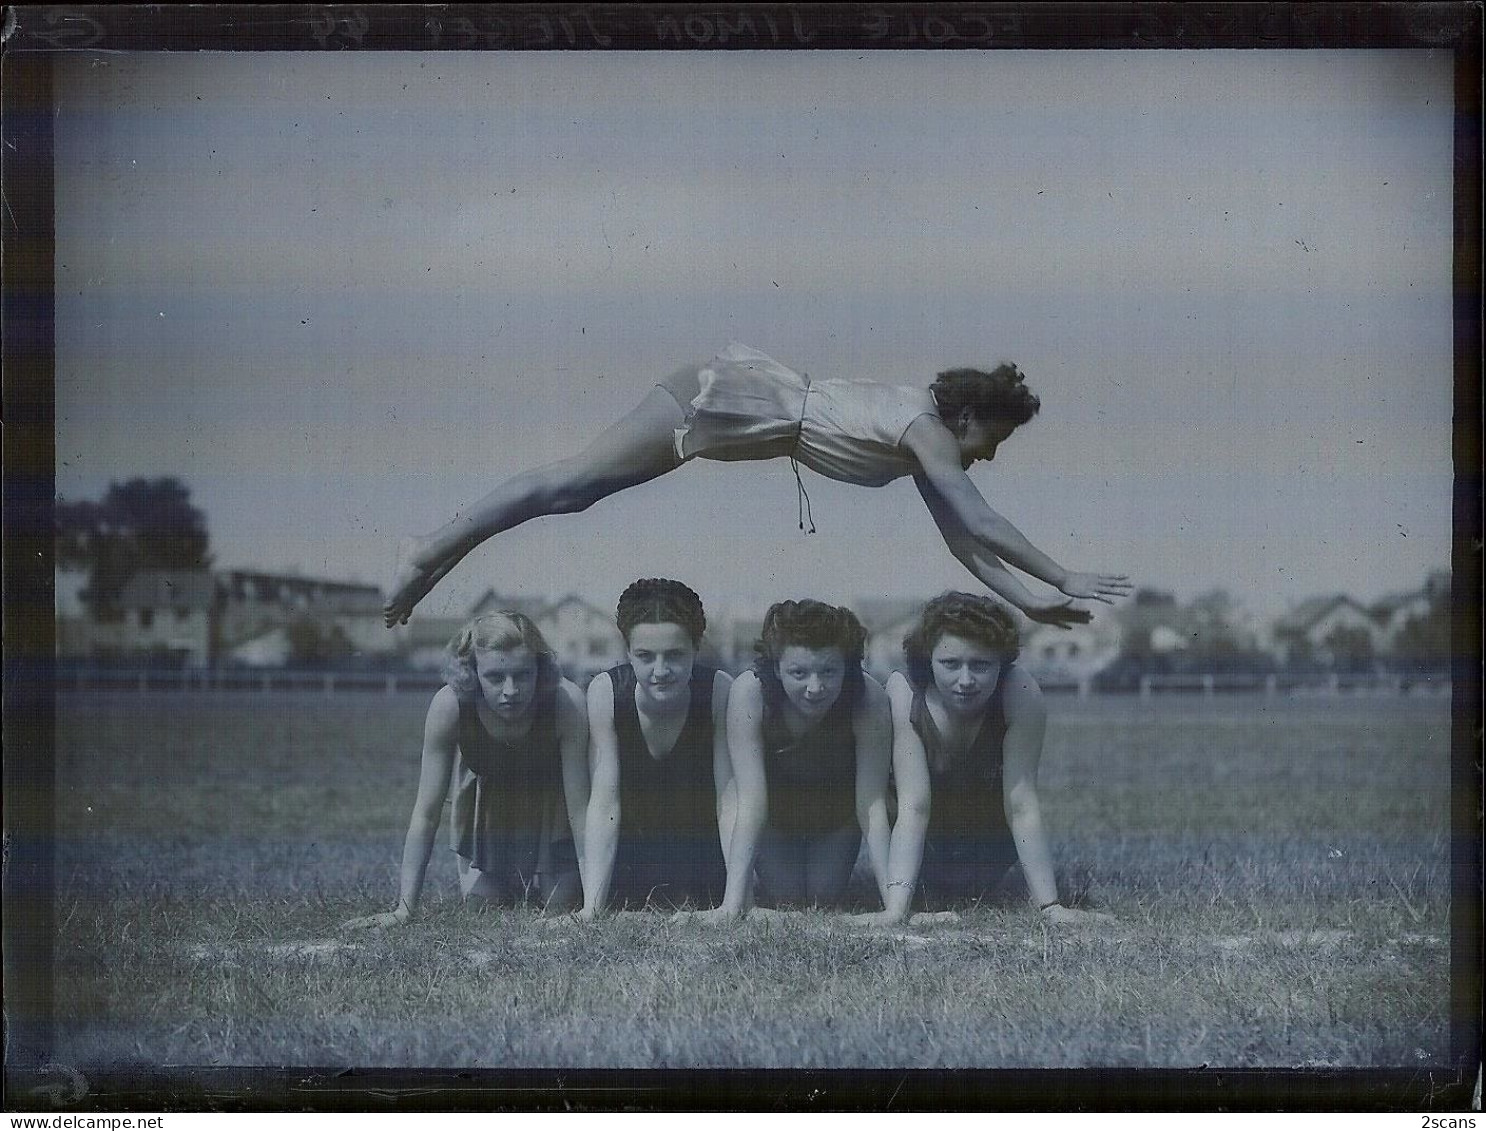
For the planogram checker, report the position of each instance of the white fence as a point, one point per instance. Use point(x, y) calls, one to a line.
point(1297, 686)
point(243, 679)
point(391, 683)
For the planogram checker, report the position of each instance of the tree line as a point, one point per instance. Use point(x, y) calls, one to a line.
point(144, 524)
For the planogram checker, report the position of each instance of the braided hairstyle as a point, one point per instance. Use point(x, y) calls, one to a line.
point(809, 624)
point(659, 600)
point(977, 618)
point(1000, 395)
point(495, 632)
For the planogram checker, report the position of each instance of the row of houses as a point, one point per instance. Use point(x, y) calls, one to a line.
point(200, 618)
point(197, 618)
point(1310, 628)
point(251, 618)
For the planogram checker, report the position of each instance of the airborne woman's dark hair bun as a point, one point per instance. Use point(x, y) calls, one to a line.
point(659, 600)
point(1000, 395)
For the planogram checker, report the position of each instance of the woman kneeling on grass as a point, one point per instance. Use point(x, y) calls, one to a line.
point(968, 723)
point(809, 737)
point(514, 736)
point(658, 758)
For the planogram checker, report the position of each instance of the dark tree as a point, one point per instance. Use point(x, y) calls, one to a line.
point(1153, 598)
point(139, 524)
point(1220, 643)
point(316, 645)
point(1423, 644)
point(1351, 650)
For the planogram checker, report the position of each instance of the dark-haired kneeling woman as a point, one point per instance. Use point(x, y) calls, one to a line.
point(809, 738)
point(968, 725)
point(658, 757)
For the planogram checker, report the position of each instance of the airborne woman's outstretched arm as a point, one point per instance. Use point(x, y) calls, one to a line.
point(990, 569)
point(980, 538)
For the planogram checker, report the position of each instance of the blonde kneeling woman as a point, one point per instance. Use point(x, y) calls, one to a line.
point(507, 740)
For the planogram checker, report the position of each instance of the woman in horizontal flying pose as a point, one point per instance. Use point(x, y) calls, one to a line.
point(968, 723)
point(506, 739)
point(809, 739)
point(658, 760)
point(744, 405)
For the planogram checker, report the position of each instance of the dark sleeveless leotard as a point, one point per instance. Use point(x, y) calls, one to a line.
point(811, 779)
point(968, 845)
point(806, 851)
point(502, 790)
point(668, 839)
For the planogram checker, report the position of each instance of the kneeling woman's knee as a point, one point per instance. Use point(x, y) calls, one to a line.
point(563, 893)
point(483, 896)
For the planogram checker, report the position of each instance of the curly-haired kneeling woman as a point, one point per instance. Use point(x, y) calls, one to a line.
point(968, 724)
point(507, 739)
point(809, 739)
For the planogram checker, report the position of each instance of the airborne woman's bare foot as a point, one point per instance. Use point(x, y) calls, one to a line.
point(411, 582)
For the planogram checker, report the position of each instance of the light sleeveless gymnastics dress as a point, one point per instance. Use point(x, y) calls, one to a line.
point(744, 405)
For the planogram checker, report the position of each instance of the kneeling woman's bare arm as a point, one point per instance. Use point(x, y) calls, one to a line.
point(440, 743)
point(749, 795)
point(603, 799)
point(873, 726)
point(724, 788)
point(911, 782)
point(572, 741)
point(1026, 724)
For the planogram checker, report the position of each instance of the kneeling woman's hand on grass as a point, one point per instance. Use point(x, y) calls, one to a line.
point(568, 918)
point(375, 922)
point(1072, 917)
point(715, 917)
point(380, 922)
point(892, 919)
point(876, 919)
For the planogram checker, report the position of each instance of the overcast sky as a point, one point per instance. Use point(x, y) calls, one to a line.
point(341, 294)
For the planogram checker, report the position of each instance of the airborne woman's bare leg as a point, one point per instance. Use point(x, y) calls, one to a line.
point(634, 449)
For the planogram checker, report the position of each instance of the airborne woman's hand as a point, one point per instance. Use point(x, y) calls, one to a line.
point(1096, 586)
point(1060, 613)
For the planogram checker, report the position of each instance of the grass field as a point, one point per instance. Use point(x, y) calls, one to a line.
point(1280, 868)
